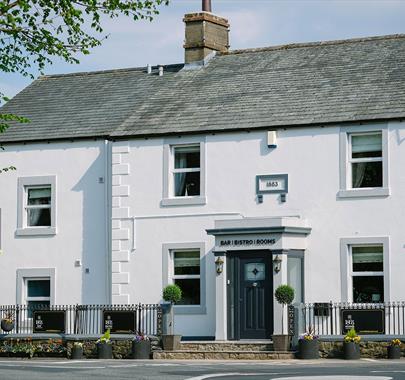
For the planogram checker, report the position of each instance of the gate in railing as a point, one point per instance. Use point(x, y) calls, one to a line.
point(335, 318)
point(85, 319)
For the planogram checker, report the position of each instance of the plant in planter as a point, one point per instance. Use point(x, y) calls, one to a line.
point(351, 345)
point(171, 294)
point(141, 346)
point(104, 346)
point(394, 349)
point(7, 323)
point(308, 345)
point(284, 295)
point(77, 351)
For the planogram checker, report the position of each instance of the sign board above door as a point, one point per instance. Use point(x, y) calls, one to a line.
point(275, 183)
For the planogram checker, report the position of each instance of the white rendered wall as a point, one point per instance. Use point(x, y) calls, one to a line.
point(81, 220)
point(310, 156)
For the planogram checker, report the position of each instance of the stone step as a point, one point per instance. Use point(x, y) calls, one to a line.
point(223, 355)
point(226, 346)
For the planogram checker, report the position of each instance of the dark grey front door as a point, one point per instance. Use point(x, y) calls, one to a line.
point(253, 295)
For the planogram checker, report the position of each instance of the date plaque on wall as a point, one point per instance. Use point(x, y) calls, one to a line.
point(274, 183)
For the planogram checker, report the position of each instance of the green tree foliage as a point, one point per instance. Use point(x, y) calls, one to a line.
point(34, 32)
point(284, 294)
point(172, 293)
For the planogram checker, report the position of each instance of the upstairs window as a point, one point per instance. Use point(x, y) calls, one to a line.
point(366, 160)
point(186, 171)
point(38, 206)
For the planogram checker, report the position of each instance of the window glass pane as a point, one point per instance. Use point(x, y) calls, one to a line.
point(188, 157)
point(40, 196)
point(367, 145)
point(38, 288)
point(255, 271)
point(368, 289)
point(39, 217)
point(186, 184)
point(368, 259)
point(294, 276)
point(187, 262)
point(367, 174)
point(190, 291)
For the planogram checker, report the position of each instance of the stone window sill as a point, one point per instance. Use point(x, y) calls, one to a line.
point(38, 231)
point(184, 201)
point(359, 193)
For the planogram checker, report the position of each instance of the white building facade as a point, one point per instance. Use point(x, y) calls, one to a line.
point(228, 212)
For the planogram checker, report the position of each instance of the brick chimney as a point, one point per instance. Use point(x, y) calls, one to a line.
point(205, 33)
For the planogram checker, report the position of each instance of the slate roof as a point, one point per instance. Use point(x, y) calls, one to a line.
point(282, 86)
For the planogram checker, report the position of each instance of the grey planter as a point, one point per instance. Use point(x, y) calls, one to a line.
point(394, 352)
point(6, 325)
point(351, 351)
point(281, 342)
point(308, 349)
point(171, 342)
point(141, 349)
point(77, 353)
point(104, 351)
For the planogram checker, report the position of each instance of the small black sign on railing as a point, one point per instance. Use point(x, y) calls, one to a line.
point(119, 321)
point(364, 321)
point(49, 321)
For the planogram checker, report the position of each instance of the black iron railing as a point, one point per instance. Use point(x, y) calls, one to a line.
point(84, 319)
point(335, 318)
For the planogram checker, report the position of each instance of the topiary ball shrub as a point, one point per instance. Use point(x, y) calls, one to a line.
point(172, 293)
point(284, 294)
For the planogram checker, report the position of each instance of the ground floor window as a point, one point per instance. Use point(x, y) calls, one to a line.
point(367, 273)
point(38, 292)
point(186, 274)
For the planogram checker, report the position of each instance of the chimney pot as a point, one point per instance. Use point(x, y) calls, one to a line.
point(206, 6)
point(160, 71)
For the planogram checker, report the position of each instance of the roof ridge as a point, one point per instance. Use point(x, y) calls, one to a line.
point(95, 72)
point(314, 44)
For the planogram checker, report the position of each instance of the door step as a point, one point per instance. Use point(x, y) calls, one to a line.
point(226, 346)
point(223, 355)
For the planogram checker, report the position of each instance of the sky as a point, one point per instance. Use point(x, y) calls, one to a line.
point(254, 23)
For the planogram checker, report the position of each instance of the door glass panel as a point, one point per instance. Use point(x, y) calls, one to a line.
point(255, 272)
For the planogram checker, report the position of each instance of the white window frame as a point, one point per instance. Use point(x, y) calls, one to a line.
point(27, 298)
point(168, 197)
point(345, 172)
point(363, 273)
point(173, 277)
point(168, 273)
point(346, 263)
point(25, 183)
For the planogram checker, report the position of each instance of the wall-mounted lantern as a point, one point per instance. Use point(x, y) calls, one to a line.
point(277, 263)
point(219, 264)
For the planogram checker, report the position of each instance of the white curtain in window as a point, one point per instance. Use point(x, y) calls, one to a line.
point(358, 172)
point(180, 178)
